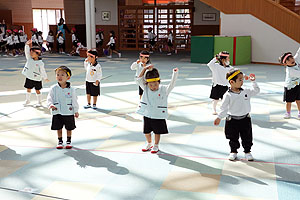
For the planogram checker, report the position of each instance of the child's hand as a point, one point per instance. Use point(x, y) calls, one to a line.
point(29, 42)
point(52, 107)
point(97, 83)
point(77, 115)
point(246, 77)
point(47, 80)
point(138, 61)
point(252, 77)
point(217, 121)
point(175, 69)
point(149, 67)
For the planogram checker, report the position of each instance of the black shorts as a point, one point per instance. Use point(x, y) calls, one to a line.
point(113, 46)
point(60, 46)
point(152, 42)
point(292, 94)
point(29, 84)
point(99, 44)
point(22, 45)
point(158, 126)
point(10, 47)
point(141, 91)
point(50, 44)
point(170, 44)
point(91, 89)
point(218, 91)
point(75, 43)
point(59, 121)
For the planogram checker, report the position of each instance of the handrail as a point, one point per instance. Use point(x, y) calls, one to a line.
point(268, 11)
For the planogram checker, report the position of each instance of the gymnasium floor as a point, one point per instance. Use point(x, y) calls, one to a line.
point(106, 161)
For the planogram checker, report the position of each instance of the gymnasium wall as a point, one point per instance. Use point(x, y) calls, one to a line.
point(267, 43)
point(47, 4)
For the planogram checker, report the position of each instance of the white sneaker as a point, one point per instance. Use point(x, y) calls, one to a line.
point(215, 113)
point(169, 54)
point(26, 102)
point(109, 56)
point(232, 156)
point(147, 147)
point(38, 105)
point(119, 54)
point(155, 149)
point(287, 115)
point(249, 157)
point(94, 106)
point(150, 51)
point(60, 145)
point(298, 116)
point(69, 145)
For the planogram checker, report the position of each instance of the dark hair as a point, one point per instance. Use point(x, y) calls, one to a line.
point(113, 33)
point(232, 72)
point(50, 32)
point(146, 53)
point(65, 69)
point(283, 55)
point(34, 48)
point(152, 74)
point(220, 58)
point(94, 52)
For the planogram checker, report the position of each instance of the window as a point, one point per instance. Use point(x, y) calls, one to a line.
point(165, 2)
point(42, 18)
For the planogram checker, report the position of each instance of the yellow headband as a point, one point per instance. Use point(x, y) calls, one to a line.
point(152, 80)
point(68, 73)
point(233, 75)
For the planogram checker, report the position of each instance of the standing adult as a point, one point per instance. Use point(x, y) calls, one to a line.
point(3, 26)
point(61, 27)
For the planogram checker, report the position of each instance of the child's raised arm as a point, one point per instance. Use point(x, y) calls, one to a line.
point(27, 49)
point(173, 81)
point(297, 56)
point(140, 80)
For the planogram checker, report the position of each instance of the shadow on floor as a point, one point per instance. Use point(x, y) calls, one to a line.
point(86, 158)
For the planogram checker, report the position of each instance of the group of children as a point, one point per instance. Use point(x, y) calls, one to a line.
point(153, 106)
point(13, 42)
point(152, 43)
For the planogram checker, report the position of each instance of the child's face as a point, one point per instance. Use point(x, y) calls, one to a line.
point(61, 76)
point(238, 82)
point(91, 59)
point(50, 33)
point(144, 59)
point(290, 61)
point(34, 54)
point(153, 85)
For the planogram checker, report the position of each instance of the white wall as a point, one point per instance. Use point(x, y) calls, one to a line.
point(106, 5)
point(204, 8)
point(267, 42)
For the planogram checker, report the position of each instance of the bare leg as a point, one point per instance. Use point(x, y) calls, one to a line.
point(88, 96)
point(148, 137)
point(298, 104)
point(157, 139)
point(69, 133)
point(95, 100)
point(289, 106)
point(59, 133)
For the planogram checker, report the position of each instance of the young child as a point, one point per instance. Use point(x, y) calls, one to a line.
point(151, 37)
point(62, 101)
point(50, 41)
point(236, 106)
point(93, 78)
point(23, 40)
point(61, 41)
point(9, 43)
point(16, 40)
point(170, 42)
point(34, 71)
point(34, 37)
point(112, 45)
point(154, 105)
point(74, 40)
point(292, 81)
point(219, 66)
point(144, 59)
point(2, 43)
point(40, 38)
point(99, 38)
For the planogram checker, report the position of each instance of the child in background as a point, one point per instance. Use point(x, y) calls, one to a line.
point(292, 81)
point(40, 39)
point(23, 40)
point(99, 38)
point(144, 59)
point(236, 106)
point(61, 41)
point(34, 37)
point(154, 105)
point(219, 67)
point(112, 45)
point(170, 42)
point(74, 40)
point(62, 101)
point(50, 41)
point(2, 42)
point(34, 71)
point(9, 43)
point(151, 38)
point(16, 41)
point(93, 78)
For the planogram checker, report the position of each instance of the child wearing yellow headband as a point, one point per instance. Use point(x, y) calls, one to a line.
point(154, 105)
point(292, 81)
point(236, 106)
point(62, 101)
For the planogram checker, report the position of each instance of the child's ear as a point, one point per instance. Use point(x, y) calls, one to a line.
point(231, 81)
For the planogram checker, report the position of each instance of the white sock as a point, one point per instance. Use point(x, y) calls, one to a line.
point(39, 98)
point(215, 102)
point(28, 94)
